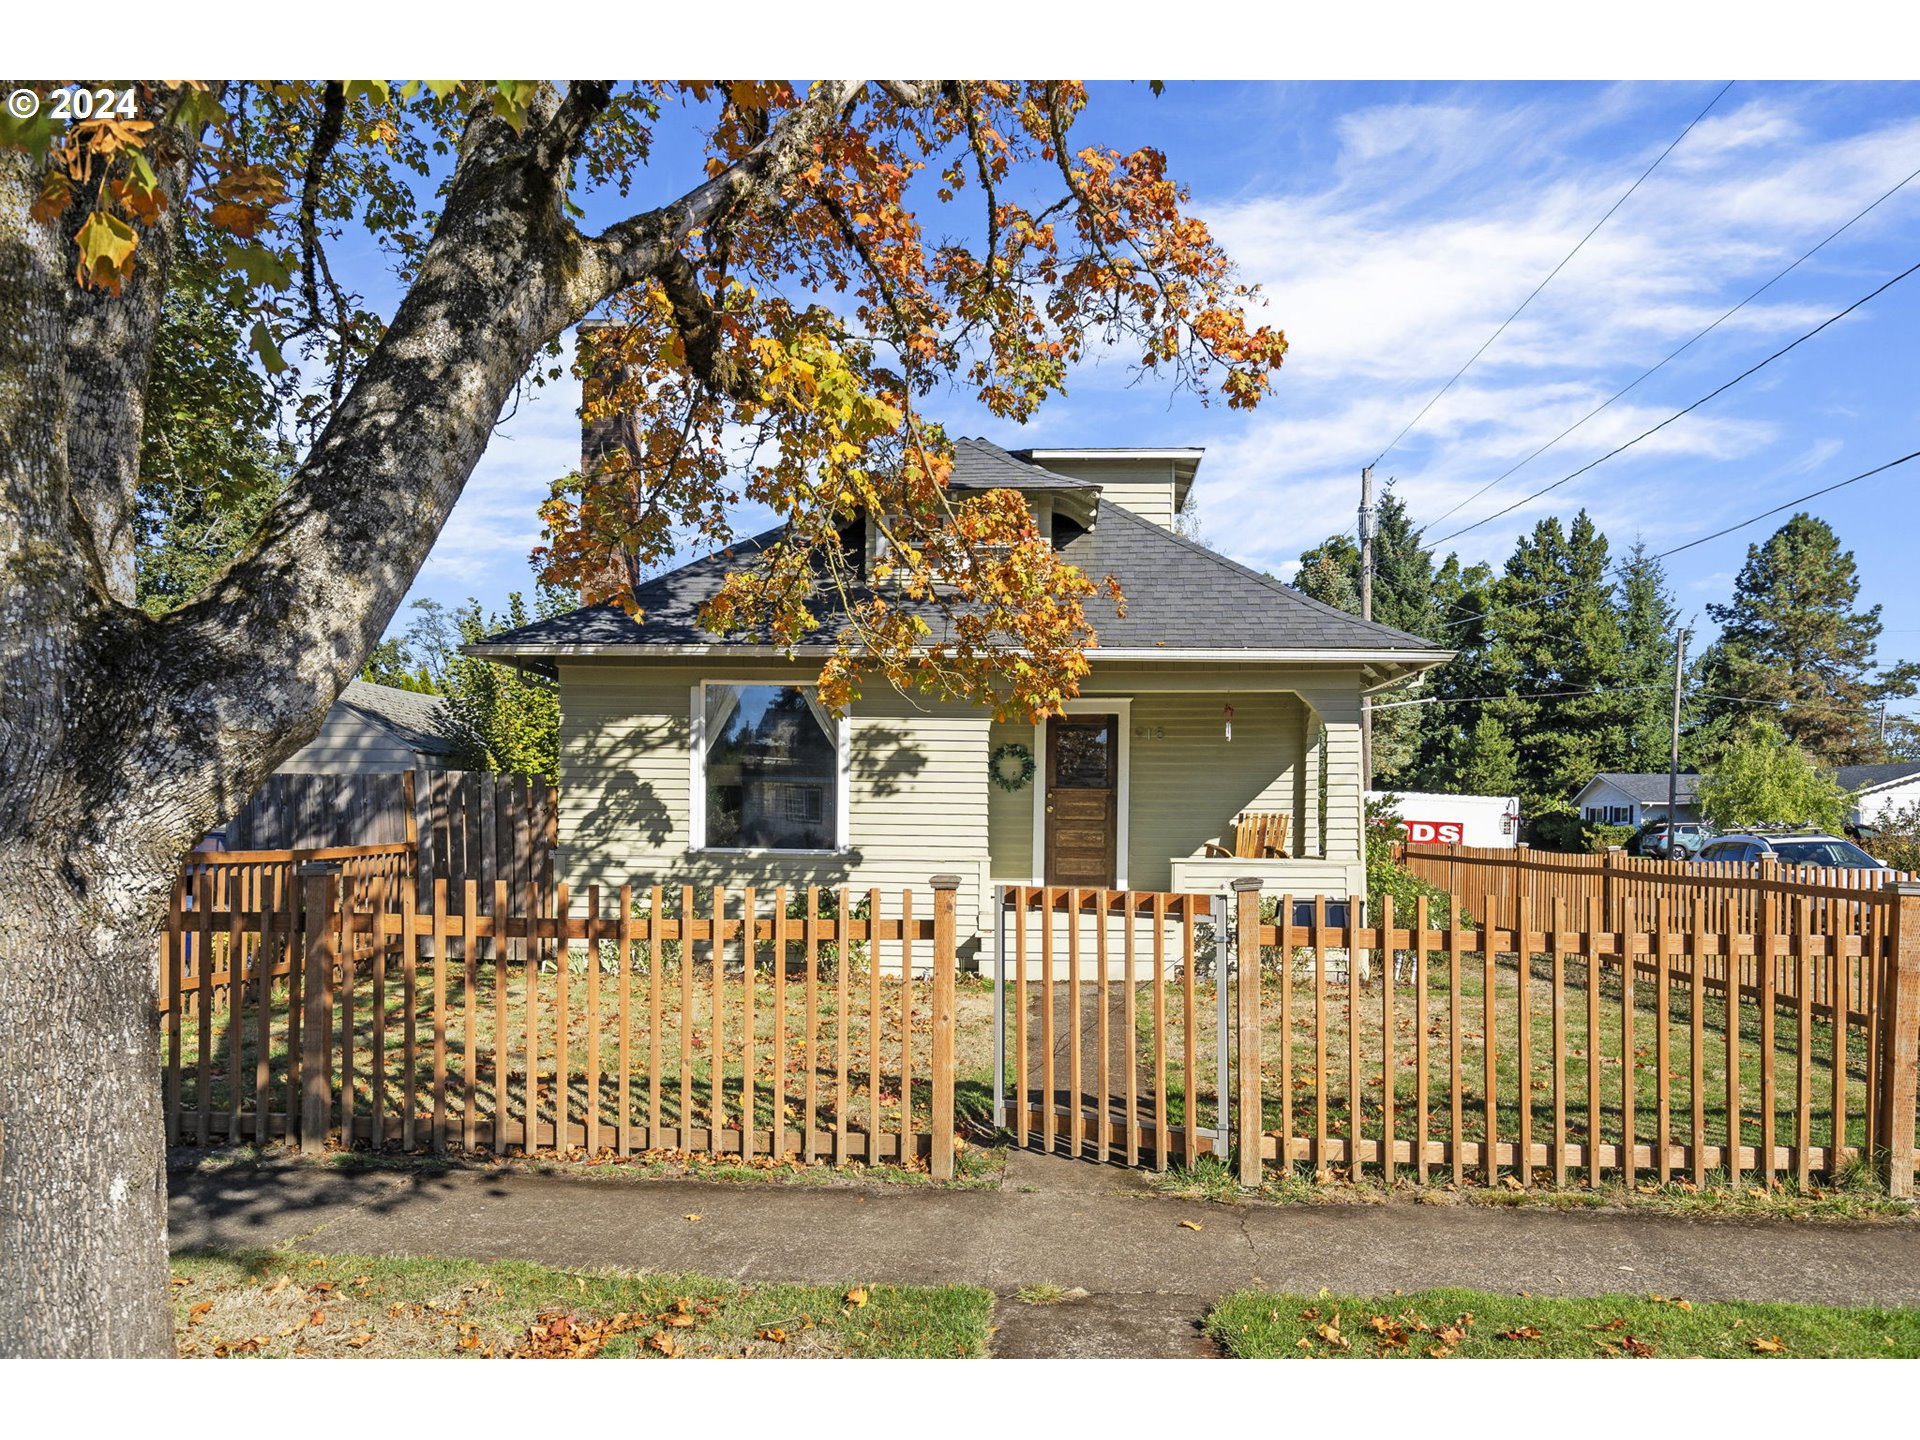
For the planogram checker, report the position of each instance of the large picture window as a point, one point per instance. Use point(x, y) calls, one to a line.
point(769, 773)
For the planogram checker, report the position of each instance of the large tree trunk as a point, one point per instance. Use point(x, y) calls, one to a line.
point(83, 1237)
point(123, 737)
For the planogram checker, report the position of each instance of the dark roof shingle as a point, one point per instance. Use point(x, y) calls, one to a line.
point(1179, 594)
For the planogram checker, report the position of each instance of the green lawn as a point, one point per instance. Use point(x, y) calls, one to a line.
point(1332, 1024)
point(1472, 1324)
point(286, 1303)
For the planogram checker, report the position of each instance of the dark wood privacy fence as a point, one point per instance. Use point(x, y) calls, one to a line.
point(356, 1009)
point(464, 824)
point(1716, 897)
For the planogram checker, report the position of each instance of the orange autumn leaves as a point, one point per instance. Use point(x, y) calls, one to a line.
point(784, 362)
point(930, 238)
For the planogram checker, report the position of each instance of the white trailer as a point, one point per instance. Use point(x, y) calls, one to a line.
point(1429, 819)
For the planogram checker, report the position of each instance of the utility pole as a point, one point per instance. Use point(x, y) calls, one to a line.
point(1366, 613)
point(1673, 764)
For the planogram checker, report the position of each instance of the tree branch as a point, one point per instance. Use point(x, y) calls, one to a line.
point(624, 253)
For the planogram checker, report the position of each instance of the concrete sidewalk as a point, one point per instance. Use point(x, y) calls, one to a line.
point(1053, 1221)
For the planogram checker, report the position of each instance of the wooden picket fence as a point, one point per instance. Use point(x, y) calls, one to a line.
point(1544, 1043)
point(1510, 1043)
point(1120, 1058)
point(349, 1010)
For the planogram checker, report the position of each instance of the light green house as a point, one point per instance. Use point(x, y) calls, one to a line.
point(691, 758)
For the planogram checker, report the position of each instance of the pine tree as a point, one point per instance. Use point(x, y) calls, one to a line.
point(1557, 648)
point(1792, 640)
point(1403, 598)
point(1445, 742)
point(1647, 621)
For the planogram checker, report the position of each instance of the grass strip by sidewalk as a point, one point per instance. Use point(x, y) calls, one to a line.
point(287, 1303)
point(1472, 1324)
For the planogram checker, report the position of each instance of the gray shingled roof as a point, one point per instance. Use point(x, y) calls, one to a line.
point(1652, 789)
point(414, 719)
point(983, 465)
point(1179, 595)
point(1648, 789)
point(1872, 777)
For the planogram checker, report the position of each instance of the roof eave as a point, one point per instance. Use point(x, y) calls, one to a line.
point(1401, 663)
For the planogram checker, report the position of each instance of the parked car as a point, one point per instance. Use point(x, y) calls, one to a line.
point(1790, 848)
point(1654, 841)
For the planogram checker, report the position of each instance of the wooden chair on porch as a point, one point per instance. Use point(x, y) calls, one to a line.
point(1257, 835)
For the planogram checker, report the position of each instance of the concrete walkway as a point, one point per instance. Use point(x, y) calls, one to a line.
point(1053, 1221)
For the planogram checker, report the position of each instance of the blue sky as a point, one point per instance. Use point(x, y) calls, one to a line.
point(1392, 227)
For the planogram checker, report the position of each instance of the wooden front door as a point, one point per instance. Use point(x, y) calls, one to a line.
point(1083, 792)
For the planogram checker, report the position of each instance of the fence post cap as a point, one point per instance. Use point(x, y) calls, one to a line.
point(1905, 887)
point(945, 882)
point(1247, 882)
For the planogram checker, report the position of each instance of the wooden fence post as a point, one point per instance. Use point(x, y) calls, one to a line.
point(319, 883)
point(1900, 1052)
point(946, 889)
point(1247, 1112)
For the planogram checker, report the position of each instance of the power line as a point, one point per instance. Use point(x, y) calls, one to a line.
point(1539, 695)
point(1690, 544)
point(1674, 355)
point(1550, 274)
point(1718, 390)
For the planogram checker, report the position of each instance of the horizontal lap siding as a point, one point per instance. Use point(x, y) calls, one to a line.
point(1010, 814)
point(917, 779)
point(1189, 780)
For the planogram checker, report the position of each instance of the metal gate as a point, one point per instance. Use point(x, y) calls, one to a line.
point(1114, 1011)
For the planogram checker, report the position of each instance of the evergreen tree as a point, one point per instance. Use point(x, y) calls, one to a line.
point(1647, 623)
point(1447, 735)
point(1556, 646)
point(1403, 598)
point(1792, 639)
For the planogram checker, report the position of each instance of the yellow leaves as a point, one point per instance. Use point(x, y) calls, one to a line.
point(1189, 1224)
point(106, 244)
point(360, 1341)
point(773, 1334)
point(857, 1296)
point(695, 1218)
point(199, 1312)
point(663, 1343)
point(1767, 1345)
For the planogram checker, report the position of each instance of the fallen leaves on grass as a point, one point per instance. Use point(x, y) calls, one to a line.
point(1523, 1332)
point(1767, 1345)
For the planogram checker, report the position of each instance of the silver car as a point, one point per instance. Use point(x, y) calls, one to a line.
point(1806, 848)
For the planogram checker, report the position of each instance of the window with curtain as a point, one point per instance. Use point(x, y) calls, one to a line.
point(771, 769)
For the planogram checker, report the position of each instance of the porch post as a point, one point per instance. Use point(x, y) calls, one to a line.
point(1246, 895)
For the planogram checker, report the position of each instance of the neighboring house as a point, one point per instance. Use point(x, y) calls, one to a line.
point(1619, 799)
point(1880, 790)
point(691, 758)
point(374, 730)
point(1616, 798)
